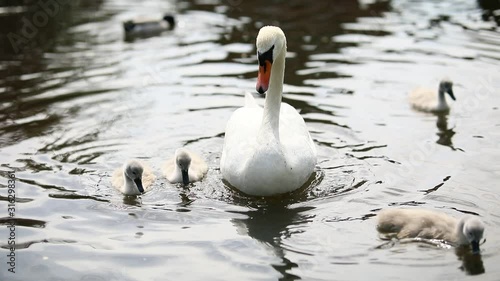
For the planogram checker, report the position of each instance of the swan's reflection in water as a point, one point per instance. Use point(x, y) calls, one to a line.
point(184, 196)
point(132, 200)
point(444, 133)
point(270, 224)
point(472, 264)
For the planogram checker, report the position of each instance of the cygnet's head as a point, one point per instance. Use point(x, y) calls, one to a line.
point(129, 26)
point(133, 170)
point(271, 41)
point(183, 161)
point(170, 19)
point(446, 86)
point(473, 230)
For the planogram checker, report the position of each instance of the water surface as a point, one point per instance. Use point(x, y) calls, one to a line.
point(77, 100)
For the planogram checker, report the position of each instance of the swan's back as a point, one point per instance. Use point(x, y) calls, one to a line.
point(198, 167)
point(242, 127)
point(411, 223)
point(169, 171)
point(250, 101)
point(240, 141)
point(117, 181)
point(424, 99)
point(148, 177)
point(297, 143)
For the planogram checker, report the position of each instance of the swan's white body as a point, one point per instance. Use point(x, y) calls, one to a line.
point(125, 176)
point(268, 150)
point(193, 163)
point(431, 100)
point(411, 223)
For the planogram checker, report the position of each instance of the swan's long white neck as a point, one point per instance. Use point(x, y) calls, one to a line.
point(461, 239)
point(441, 99)
point(129, 185)
point(272, 106)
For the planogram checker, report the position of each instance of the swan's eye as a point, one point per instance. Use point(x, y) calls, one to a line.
point(267, 56)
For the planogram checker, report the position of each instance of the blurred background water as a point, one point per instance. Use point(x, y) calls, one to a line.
point(77, 100)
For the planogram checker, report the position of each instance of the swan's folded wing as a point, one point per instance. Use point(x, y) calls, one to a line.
point(294, 133)
point(241, 130)
point(388, 221)
point(239, 141)
point(117, 179)
point(423, 99)
point(411, 223)
point(198, 167)
point(148, 177)
point(250, 100)
point(168, 170)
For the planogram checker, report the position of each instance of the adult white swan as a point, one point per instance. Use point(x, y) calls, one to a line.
point(268, 150)
point(431, 100)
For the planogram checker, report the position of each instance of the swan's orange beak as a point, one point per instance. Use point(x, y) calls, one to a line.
point(263, 77)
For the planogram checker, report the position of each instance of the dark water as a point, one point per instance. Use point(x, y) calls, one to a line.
point(77, 100)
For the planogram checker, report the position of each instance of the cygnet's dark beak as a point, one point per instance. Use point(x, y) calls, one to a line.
point(450, 92)
point(475, 247)
point(138, 182)
point(185, 177)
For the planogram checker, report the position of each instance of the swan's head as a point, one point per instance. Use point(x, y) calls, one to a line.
point(271, 42)
point(473, 230)
point(129, 26)
point(170, 19)
point(183, 161)
point(446, 86)
point(133, 170)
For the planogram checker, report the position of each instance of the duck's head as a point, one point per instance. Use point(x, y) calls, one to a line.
point(170, 19)
point(473, 230)
point(183, 161)
point(446, 86)
point(271, 42)
point(133, 170)
point(129, 26)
